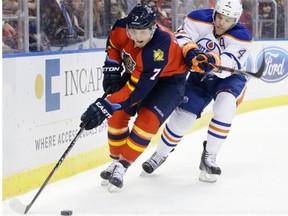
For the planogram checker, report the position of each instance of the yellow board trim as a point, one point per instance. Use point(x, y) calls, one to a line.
point(32, 179)
point(23, 182)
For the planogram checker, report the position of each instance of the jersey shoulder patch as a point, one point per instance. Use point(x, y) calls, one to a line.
point(204, 15)
point(240, 32)
point(157, 50)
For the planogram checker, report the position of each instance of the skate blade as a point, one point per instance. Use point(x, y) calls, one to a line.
point(206, 177)
point(144, 173)
point(104, 182)
point(112, 188)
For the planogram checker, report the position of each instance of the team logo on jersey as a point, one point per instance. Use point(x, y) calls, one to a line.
point(158, 55)
point(128, 61)
point(206, 45)
point(210, 45)
point(276, 64)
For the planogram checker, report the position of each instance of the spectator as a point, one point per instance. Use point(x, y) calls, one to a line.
point(187, 6)
point(181, 7)
point(211, 3)
point(98, 18)
point(123, 5)
point(163, 11)
point(9, 7)
point(153, 4)
point(165, 16)
point(8, 30)
point(73, 8)
point(247, 17)
point(267, 16)
point(131, 4)
point(8, 33)
point(55, 28)
point(32, 7)
point(281, 18)
point(82, 14)
point(32, 26)
point(9, 26)
point(116, 11)
point(50, 21)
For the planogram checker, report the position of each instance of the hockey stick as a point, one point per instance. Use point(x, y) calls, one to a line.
point(258, 74)
point(19, 207)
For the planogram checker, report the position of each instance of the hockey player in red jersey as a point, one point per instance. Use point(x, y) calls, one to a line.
point(208, 37)
point(152, 84)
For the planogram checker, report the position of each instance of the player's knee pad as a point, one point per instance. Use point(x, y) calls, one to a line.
point(181, 121)
point(224, 107)
point(147, 121)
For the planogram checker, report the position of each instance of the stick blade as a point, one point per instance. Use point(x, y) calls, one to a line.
point(17, 206)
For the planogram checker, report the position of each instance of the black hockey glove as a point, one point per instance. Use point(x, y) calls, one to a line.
point(97, 112)
point(112, 77)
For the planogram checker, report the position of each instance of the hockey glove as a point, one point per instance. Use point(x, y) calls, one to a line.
point(97, 112)
point(200, 63)
point(112, 77)
point(190, 50)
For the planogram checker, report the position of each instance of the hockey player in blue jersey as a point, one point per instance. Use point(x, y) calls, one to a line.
point(208, 36)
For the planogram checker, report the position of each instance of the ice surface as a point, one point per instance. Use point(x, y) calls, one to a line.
point(254, 180)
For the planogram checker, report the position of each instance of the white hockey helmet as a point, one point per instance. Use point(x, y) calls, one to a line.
point(230, 8)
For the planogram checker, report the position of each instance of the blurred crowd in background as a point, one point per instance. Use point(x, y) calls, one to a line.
point(51, 25)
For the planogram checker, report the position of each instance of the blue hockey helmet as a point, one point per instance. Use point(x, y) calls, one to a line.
point(141, 17)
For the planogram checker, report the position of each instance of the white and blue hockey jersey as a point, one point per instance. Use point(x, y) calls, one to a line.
point(234, 46)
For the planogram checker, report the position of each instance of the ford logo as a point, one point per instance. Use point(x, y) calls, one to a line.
point(276, 60)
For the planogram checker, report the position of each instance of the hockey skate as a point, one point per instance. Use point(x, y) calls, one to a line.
point(106, 174)
point(116, 178)
point(208, 167)
point(153, 163)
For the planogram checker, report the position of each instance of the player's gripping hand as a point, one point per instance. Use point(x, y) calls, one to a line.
point(190, 50)
point(200, 63)
point(97, 112)
point(112, 77)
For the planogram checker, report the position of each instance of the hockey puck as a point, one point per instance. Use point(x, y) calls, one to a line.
point(66, 212)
